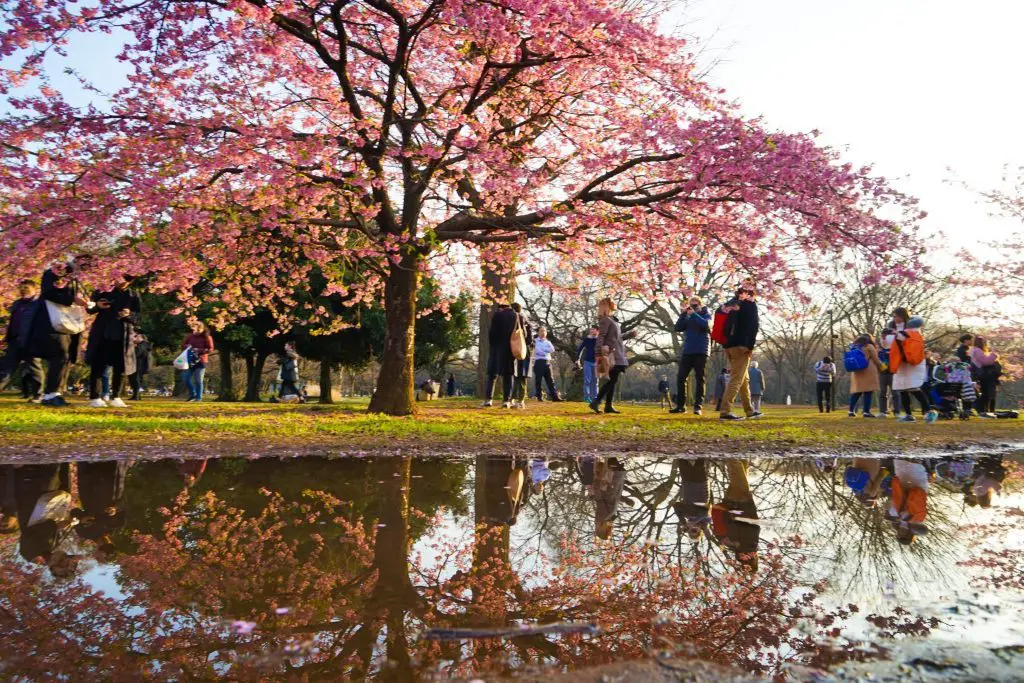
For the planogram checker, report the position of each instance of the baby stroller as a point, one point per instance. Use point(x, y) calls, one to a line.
point(953, 390)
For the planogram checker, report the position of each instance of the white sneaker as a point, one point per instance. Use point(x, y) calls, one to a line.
point(117, 403)
point(97, 403)
point(486, 404)
point(506, 404)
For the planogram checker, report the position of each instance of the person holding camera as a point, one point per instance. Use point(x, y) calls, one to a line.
point(695, 325)
point(112, 341)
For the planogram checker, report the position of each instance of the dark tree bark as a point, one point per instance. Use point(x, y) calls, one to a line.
point(326, 396)
point(394, 391)
point(227, 377)
point(254, 376)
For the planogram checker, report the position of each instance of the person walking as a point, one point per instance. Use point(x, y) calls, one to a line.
point(111, 342)
point(907, 361)
point(741, 337)
point(450, 386)
point(586, 359)
point(986, 367)
point(611, 351)
point(289, 392)
point(824, 374)
point(664, 392)
point(886, 395)
point(16, 356)
point(543, 349)
point(865, 382)
point(721, 382)
point(522, 367)
point(143, 351)
point(200, 345)
point(500, 362)
point(39, 337)
point(757, 385)
point(695, 325)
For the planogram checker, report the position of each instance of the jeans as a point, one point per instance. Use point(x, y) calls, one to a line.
point(542, 373)
point(824, 390)
point(608, 390)
point(105, 381)
point(194, 381)
point(856, 398)
point(697, 363)
point(739, 381)
point(589, 380)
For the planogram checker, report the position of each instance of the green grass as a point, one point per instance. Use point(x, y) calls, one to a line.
point(460, 425)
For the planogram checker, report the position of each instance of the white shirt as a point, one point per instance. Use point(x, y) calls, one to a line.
point(542, 349)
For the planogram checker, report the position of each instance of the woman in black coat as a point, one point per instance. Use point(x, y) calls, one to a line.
point(111, 341)
point(58, 349)
point(500, 362)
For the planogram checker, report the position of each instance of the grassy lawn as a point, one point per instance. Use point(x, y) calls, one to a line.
point(460, 425)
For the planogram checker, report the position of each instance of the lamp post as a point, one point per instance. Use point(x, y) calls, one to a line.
point(832, 353)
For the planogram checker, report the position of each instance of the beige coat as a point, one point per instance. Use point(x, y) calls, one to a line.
point(610, 336)
point(867, 379)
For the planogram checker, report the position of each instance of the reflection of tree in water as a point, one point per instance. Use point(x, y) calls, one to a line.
point(314, 560)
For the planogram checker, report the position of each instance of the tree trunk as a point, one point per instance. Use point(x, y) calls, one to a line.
point(254, 372)
point(227, 378)
point(393, 394)
point(497, 287)
point(325, 383)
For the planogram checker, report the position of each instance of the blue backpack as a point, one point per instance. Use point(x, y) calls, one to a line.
point(854, 360)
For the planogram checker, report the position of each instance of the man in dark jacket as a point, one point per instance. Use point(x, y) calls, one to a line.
point(500, 362)
point(741, 337)
point(31, 368)
point(695, 324)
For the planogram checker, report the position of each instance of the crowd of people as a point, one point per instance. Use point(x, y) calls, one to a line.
point(47, 323)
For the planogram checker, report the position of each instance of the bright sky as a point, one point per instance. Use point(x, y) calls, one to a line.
point(914, 87)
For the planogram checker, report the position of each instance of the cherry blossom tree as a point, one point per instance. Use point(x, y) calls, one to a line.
point(258, 139)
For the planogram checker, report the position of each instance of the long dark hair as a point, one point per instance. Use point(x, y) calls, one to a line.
point(901, 312)
point(864, 340)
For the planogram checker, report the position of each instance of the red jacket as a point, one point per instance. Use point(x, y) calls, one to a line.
point(202, 344)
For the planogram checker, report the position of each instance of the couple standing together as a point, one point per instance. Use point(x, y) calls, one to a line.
point(738, 336)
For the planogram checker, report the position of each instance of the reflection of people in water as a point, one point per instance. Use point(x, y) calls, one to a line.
point(989, 474)
point(540, 472)
point(609, 480)
point(864, 476)
point(505, 490)
point(191, 470)
point(734, 520)
point(908, 502)
point(694, 504)
point(43, 499)
point(101, 489)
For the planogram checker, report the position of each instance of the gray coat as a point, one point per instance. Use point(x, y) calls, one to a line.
point(610, 335)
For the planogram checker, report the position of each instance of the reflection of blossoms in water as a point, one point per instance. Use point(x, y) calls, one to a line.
point(356, 596)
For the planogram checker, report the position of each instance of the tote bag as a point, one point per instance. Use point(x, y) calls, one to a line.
point(518, 341)
point(181, 362)
point(66, 319)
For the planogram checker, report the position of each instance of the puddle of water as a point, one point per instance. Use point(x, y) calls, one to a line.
point(419, 568)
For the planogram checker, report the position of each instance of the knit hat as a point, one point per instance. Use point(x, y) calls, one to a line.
point(857, 479)
point(915, 323)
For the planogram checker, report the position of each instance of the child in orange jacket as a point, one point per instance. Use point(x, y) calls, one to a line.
point(908, 503)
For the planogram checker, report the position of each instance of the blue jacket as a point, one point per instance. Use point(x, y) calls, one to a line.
point(756, 378)
point(696, 329)
point(588, 348)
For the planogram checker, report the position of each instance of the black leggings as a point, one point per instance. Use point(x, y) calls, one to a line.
point(987, 400)
point(608, 390)
point(506, 385)
point(921, 397)
point(825, 397)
